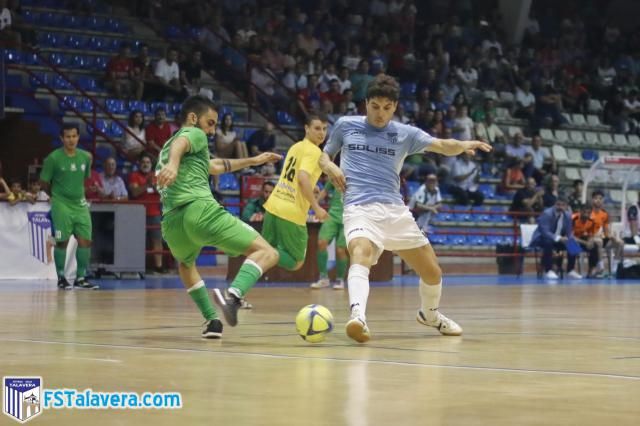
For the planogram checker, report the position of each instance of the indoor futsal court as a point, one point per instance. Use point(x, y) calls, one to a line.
point(532, 353)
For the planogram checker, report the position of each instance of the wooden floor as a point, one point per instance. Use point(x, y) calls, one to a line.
point(530, 355)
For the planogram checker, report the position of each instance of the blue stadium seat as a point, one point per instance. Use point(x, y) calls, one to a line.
point(75, 41)
point(100, 63)
point(224, 110)
point(138, 106)
point(30, 58)
point(153, 106)
point(95, 23)
point(61, 83)
point(463, 216)
point(68, 103)
point(283, 117)
point(58, 59)
point(50, 19)
point(487, 189)
point(115, 130)
point(115, 106)
point(247, 132)
point(39, 79)
point(29, 16)
point(235, 209)
point(412, 186)
point(72, 21)
point(85, 105)
point(228, 182)
point(477, 240)
point(80, 62)
point(104, 151)
point(590, 155)
point(176, 107)
point(408, 105)
point(12, 56)
point(173, 32)
point(101, 125)
point(87, 83)
point(114, 25)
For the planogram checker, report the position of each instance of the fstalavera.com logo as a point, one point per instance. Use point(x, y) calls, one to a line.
point(22, 397)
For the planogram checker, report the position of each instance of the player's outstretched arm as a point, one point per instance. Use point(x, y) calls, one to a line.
point(453, 147)
point(218, 166)
point(167, 175)
point(334, 172)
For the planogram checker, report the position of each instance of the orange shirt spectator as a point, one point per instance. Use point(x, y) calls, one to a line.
point(583, 229)
point(600, 218)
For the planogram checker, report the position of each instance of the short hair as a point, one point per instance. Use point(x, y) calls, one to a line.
point(310, 117)
point(562, 198)
point(596, 193)
point(69, 126)
point(578, 182)
point(384, 86)
point(145, 154)
point(196, 104)
point(268, 182)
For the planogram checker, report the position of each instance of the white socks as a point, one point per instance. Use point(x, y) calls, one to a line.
point(358, 290)
point(430, 295)
point(196, 286)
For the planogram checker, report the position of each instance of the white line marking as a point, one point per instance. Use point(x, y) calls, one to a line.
point(368, 361)
point(117, 361)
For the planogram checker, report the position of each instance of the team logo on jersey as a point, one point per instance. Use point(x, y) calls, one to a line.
point(370, 148)
point(22, 398)
point(393, 137)
point(39, 233)
point(83, 167)
point(73, 167)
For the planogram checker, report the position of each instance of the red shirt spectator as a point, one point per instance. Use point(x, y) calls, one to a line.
point(142, 184)
point(158, 132)
point(93, 187)
point(120, 67)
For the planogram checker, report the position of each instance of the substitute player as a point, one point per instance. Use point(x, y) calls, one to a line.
point(65, 170)
point(285, 219)
point(373, 149)
point(331, 229)
point(192, 218)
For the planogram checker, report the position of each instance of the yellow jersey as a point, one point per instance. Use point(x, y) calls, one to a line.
point(286, 200)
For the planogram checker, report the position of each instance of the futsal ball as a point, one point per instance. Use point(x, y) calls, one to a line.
point(314, 322)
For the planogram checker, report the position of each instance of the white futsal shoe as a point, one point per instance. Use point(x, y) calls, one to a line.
point(357, 327)
point(321, 283)
point(339, 284)
point(445, 326)
point(551, 275)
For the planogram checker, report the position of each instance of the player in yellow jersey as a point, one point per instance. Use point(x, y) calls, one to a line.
point(286, 210)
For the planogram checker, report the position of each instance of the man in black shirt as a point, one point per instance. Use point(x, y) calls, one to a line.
point(262, 141)
point(527, 200)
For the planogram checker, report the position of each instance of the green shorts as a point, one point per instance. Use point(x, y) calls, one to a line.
point(285, 235)
point(204, 223)
point(70, 220)
point(331, 229)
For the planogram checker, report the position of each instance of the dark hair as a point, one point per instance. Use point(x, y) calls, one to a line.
point(577, 182)
point(69, 126)
point(268, 182)
point(157, 110)
point(132, 114)
point(596, 193)
point(586, 206)
point(384, 86)
point(562, 199)
point(222, 128)
point(196, 104)
point(145, 154)
point(310, 117)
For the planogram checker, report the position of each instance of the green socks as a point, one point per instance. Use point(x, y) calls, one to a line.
point(286, 261)
point(200, 296)
point(82, 257)
point(341, 268)
point(247, 277)
point(59, 258)
point(322, 257)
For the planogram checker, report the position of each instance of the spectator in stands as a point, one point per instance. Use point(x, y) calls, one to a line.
point(525, 101)
point(450, 89)
point(93, 190)
point(463, 126)
point(142, 186)
point(213, 37)
point(350, 106)
point(306, 41)
point(488, 131)
point(352, 59)
point(437, 126)
point(158, 132)
point(549, 108)
point(488, 106)
point(543, 160)
point(16, 192)
point(465, 174)
point(264, 89)
point(513, 178)
point(228, 144)
point(426, 201)
point(604, 238)
point(142, 72)
point(345, 79)
point(515, 149)
point(632, 225)
point(334, 94)
point(120, 73)
point(527, 200)
point(7, 32)
point(584, 232)
point(36, 193)
point(576, 96)
point(134, 136)
point(5, 191)
point(263, 140)
point(360, 80)
point(575, 198)
point(551, 191)
point(310, 98)
point(234, 58)
point(615, 114)
point(253, 211)
point(112, 184)
point(552, 234)
point(190, 73)
point(167, 72)
point(468, 77)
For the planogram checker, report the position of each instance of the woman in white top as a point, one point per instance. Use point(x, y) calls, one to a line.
point(228, 145)
point(134, 145)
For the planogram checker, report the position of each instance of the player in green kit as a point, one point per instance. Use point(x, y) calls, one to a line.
point(65, 170)
point(192, 219)
point(331, 229)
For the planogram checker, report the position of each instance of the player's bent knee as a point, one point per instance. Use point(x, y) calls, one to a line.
point(298, 265)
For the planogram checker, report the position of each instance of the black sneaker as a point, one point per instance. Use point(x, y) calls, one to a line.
point(229, 306)
point(212, 329)
point(63, 284)
point(84, 284)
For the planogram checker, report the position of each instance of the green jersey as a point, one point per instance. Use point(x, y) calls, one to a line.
point(336, 204)
point(192, 182)
point(66, 174)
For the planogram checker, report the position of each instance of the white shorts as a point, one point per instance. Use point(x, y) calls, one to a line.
point(388, 226)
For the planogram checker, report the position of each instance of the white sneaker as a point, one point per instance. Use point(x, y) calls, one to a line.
point(339, 284)
point(550, 275)
point(357, 330)
point(321, 283)
point(574, 275)
point(445, 326)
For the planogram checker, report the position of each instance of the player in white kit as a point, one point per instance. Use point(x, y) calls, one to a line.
point(373, 149)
